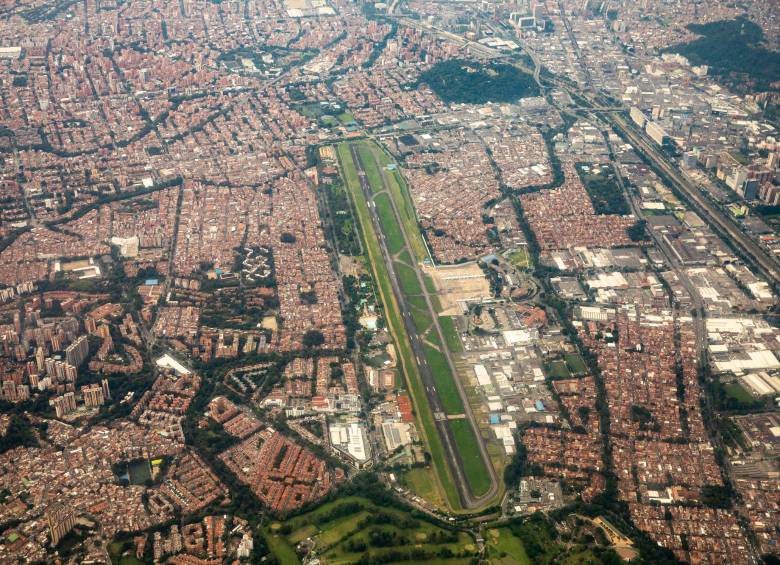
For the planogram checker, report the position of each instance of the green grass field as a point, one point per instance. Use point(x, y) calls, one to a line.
point(557, 369)
point(473, 465)
point(404, 257)
point(738, 392)
point(391, 229)
point(430, 286)
point(445, 382)
point(281, 549)
point(369, 166)
point(417, 302)
point(504, 548)
point(422, 481)
point(422, 320)
point(407, 278)
point(426, 426)
point(450, 334)
point(346, 118)
point(347, 529)
point(402, 198)
point(521, 258)
point(575, 363)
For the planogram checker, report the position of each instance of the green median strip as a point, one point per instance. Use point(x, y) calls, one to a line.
point(392, 231)
point(445, 382)
point(473, 464)
point(422, 320)
point(450, 334)
point(423, 411)
point(398, 190)
point(407, 278)
point(430, 286)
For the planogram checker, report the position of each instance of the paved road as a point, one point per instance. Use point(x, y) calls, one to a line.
point(698, 201)
point(429, 384)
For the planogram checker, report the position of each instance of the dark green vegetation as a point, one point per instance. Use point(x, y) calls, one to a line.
point(19, 434)
point(458, 80)
point(733, 397)
point(733, 50)
point(341, 219)
point(716, 496)
point(542, 546)
point(231, 309)
point(358, 529)
point(313, 338)
point(519, 467)
point(123, 553)
point(604, 191)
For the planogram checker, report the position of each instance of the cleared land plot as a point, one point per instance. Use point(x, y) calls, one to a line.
point(473, 465)
point(458, 283)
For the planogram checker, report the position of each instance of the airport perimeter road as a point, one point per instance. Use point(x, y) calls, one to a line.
point(428, 382)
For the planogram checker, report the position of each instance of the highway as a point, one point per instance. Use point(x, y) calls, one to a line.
point(687, 189)
point(698, 201)
point(468, 500)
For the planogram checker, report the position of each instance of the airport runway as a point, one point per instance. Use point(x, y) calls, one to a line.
point(468, 500)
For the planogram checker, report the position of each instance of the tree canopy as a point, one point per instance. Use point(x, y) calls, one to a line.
point(733, 48)
point(458, 80)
